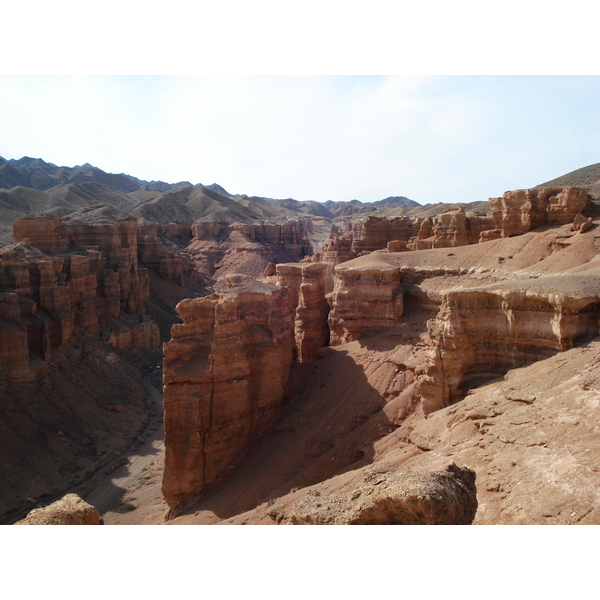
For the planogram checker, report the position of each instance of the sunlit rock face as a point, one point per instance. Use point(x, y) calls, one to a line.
point(449, 229)
point(225, 371)
point(306, 282)
point(480, 333)
point(520, 211)
point(365, 300)
point(220, 249)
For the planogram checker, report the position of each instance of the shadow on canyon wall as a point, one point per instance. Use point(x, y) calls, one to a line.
point(331, 417)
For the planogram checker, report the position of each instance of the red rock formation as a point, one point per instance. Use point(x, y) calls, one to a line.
point(225, 370)
point(45, 232)
point(449, 229)
point(156, 251)
point(337, 250)
point(14, 349)
point(219, 249)
point(306, 282)
point(376, 232)
point(520, 211)
point(365, 300)
point(482, 332)
point(88, 274)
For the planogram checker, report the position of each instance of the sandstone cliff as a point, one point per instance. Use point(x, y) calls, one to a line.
point(517, 212)
point(483, 332)
point(63, 275)
point(225, 371)
point(307, 285)
point(520, 211)
point(74, 340)
point(414, 332)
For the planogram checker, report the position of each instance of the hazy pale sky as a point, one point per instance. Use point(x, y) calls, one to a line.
point(247, 99)
point(433, 139)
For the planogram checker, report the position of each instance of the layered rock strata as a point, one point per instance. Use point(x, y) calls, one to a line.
point(157, 251)
point(482, 332)
point(517, 212)
point(62, 277)
point(450, 229)
point(306, 282)
point(218, 249)
point(520, 211)
point(225, 371)
point(365, 300)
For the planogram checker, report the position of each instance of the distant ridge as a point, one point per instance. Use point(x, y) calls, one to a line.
point(586, 177)
point(40, 175)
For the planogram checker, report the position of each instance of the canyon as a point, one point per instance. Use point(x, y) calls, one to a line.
point(314, 368)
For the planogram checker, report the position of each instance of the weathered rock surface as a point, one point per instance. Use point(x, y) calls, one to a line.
point(520, 211)
point(69, 510)
point(225, 371)
point(446, 497)
point(218, 249)
point(365, 300)
point(306, 282)
point(398, 394)
point(517, 212)
point(482, 332)
point(88, 277)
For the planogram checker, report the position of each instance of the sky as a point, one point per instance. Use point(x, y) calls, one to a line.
point(328, 100)
point(430, 138)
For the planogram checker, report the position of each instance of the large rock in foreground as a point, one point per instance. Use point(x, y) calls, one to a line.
point(69, 510)
point(440, 498)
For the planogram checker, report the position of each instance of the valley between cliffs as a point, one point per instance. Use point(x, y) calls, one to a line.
point(452, 347)
point(484, 355)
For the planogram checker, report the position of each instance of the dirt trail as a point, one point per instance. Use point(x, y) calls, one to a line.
point(113, 486)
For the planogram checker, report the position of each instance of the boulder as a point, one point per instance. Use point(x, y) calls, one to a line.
point(69, 510)
point(446, 497)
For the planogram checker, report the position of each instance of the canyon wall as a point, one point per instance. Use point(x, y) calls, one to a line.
point(307, 285)
point(446, 322)
point(520, 211)
point(517, 212)
point(365, 299)
point(59, 278)
point(482, 332)
point(225, 371)
point(218, 249)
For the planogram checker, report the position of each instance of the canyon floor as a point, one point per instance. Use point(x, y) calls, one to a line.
point(530, 437)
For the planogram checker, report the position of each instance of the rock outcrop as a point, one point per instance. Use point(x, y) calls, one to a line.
point(218, 249)
point(520, 211)
point(376, 232)
point(61, 277)
point(69, 510)
point(364, 301)
point(306, 282)
point(517, 212)
point(482, 332)
point(225, 371)
point(446, 497)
